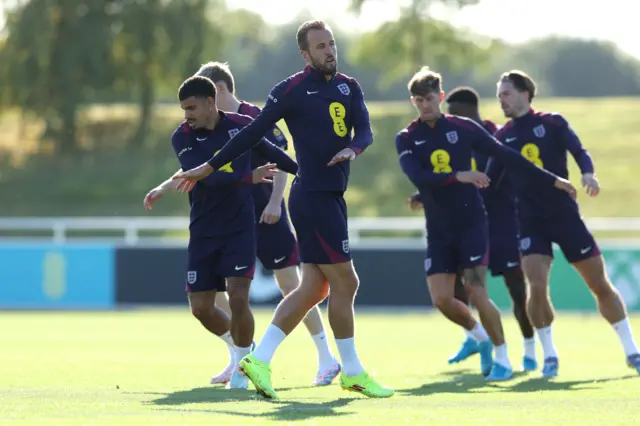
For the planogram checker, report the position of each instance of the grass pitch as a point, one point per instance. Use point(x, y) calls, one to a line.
point(152, 367)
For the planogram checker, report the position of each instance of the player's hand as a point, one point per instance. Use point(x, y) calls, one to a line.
point(479, 179)
point(271, 214)
point(346, 154)
point(152, 196)
point(193, 175)
point(567, 187)
point(414, 203)
point(591, 184)
point(263, 174)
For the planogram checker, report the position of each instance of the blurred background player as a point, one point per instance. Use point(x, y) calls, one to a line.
point(435, 152)
point(504, 253)
point(276, 244)
point(321, 108)
point(548, 217)
point(221, 252)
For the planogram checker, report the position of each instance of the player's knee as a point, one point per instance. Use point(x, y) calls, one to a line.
point(346, 288)
point(602, 288)
point(442, 302)
point(477, 295)
point(200, 311)
point(287, 280)
point(238, 303)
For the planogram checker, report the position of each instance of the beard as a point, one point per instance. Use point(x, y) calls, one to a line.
point(324, 66)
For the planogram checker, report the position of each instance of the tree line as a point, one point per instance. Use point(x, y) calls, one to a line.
point(57, 56)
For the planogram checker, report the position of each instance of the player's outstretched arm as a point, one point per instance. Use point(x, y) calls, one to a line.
point(414, 170)
point(272, 153)
point(253, 133)
point(486, 144)
point(244, 140)
point(190, 158)
point(159, 191)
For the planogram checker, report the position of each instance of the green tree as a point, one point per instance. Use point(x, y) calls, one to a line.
point(417, 39)
point(50, 69)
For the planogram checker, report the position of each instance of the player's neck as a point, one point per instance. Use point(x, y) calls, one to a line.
point(523, 112)
point(432, 123)
point(228, 102)
point(213, 121)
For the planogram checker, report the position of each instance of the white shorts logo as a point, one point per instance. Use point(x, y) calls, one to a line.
point(427, 264)
point(192, 276)
point(525, 243)
point(345, 246)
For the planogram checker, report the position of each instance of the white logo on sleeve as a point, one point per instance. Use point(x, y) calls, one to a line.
point(192, 277)
point(240, 268)
point(474, 258)
point(507, 140)
point(233, 132)
point(420, 142)
point(183, 150)
point(585, 250)
point(279, 259)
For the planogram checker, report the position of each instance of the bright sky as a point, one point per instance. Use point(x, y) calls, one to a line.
point(511, 20)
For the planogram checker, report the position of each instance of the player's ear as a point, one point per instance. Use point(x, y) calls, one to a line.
point(413, 100)
point(441, 95)
point(221, 87)
point(305, 55)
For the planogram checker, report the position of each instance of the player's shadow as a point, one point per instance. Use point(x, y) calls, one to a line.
point(537, 384)
point(282, 410)
point(460, 381)
point(204, 395)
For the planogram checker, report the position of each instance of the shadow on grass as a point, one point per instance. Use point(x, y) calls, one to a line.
point(282, 409)
point(469, 381)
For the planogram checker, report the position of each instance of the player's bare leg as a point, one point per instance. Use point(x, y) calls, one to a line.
point(203, 307)
point(291, 311)
point(470, 346)
point(242, 324)
point(517, 287)
point(288, 279)
point(536, 268)
point(442, 290)
point(610, 304)
point(475, 279)
point(222, 302)
point(343, 284)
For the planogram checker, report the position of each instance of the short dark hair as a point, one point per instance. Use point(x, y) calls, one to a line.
point(425, 81)
point(303, 30)
point(521, 81)
point(197, 86)
point(218, 71)
point(464, 95)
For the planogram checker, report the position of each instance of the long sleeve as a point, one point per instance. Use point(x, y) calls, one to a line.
point(486, 144)
point(271, 153)
point(415, 172)
point(496, 172)
point(574, 146)
point(363, 135)
point(189, 157)
point(251, 135)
